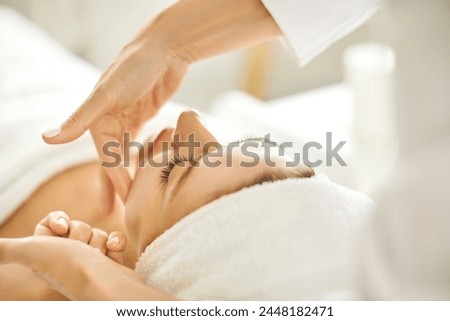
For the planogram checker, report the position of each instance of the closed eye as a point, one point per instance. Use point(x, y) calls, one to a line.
point(254, 139)
point(177, 159)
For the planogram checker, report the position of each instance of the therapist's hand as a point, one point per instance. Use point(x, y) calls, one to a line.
point(144, 75)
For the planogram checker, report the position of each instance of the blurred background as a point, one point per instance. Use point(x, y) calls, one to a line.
point(97, 30)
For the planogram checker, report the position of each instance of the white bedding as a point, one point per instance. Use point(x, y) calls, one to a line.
point(40, 83)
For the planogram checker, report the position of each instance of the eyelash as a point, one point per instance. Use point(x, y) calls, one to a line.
point(167, 169)
point(251, 138)
point(177, 159)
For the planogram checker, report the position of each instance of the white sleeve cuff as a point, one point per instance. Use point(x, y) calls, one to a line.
point(311, 26)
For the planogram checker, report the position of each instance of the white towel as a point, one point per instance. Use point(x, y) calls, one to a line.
point(41, 83)
point(285, 240)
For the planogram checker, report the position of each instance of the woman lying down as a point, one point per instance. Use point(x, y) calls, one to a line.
point(203, 226)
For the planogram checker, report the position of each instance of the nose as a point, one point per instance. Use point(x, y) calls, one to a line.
point(192, 133)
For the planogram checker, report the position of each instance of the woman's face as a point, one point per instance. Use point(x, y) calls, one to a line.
point(162, 195)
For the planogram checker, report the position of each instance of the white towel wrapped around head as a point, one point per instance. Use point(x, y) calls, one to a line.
point(283, 240)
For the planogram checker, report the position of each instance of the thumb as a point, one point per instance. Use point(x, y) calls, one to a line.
point(76, 124)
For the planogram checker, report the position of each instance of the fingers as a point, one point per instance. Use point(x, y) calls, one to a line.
point(58, 223)
point(80, 231)
point(77, 123)
point(110, 148)
point(112, 245)
point(54, 224)
point(116, 242)
point(116, 245)
point(71, 129)
point(98, 239)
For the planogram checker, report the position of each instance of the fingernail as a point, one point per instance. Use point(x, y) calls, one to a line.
point(114, 240)
point(52, 132)
point(62, 223)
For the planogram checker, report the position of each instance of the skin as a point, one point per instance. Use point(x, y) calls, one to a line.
point(151, 209)
point(150, 68)
point(70, 192)
point(162, 205)
point(144, 75)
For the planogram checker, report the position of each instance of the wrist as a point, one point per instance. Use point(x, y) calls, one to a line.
point(167, 34)
point(196, 29)
point(7, 246)
point(16, 250)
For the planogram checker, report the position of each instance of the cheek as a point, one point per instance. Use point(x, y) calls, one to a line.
point(187, 201)
point(140, 205)
point(142, 218)
point(132, 218)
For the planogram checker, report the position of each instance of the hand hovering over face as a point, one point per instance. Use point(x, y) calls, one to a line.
point(150, 68)
point(143, 76)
